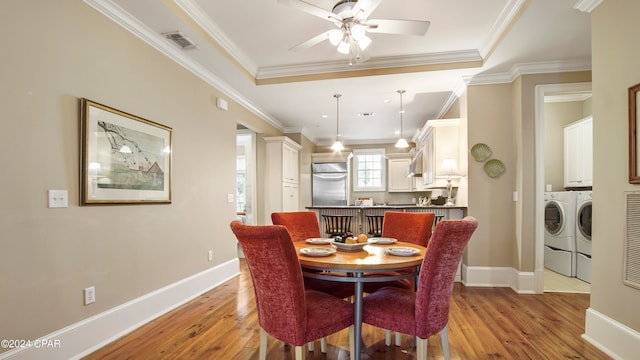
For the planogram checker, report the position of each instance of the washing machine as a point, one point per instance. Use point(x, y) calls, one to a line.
point(583, 235)
point(560, 253)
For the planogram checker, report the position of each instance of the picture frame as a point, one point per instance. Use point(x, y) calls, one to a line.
point(125, 159)
point(634, 117)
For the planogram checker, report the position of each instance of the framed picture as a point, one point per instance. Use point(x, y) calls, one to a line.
point(125, 159)
point(634, 117)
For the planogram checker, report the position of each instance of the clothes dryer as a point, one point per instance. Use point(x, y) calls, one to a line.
point(559, 232)
point(583, 235)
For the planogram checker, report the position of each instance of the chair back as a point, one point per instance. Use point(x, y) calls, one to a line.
point(375, 223)
point(437, 274)
point(410, 227)
point(301, 225)
point(277, 280)
point(335, 225)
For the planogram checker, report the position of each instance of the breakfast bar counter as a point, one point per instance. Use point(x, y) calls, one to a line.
point(359, 213)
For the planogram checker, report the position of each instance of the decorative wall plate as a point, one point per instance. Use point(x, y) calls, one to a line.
point(494, 168)
point(480, 152)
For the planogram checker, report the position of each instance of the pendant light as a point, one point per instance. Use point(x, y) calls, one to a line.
point(402, 143)
point(337, 146)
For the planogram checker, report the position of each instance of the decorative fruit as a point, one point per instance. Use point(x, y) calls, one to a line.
point(362, 238)
point(339, 239)
point(350, 240)
point(346, 235)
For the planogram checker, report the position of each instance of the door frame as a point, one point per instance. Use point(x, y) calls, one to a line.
point(541, 91)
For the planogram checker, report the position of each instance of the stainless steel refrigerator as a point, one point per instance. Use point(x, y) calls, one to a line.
point(330, 184)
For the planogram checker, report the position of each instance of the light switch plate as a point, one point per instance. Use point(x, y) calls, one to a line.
point(58, 198)
point(230, 198)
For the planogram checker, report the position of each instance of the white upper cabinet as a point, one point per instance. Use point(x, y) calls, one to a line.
point(397, 171)
point(281, 175)
point(439, 140)
point(578, 153)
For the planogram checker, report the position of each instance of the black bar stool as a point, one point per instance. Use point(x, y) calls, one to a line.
point(375, 224)
point(335, 225)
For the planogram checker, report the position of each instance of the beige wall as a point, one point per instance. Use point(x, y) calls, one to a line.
point(490, 198)
point(59, 51)
point(615, 69)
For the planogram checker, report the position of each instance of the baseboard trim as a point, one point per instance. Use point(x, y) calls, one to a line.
point(486, 276)
point(84, 337)
point(610, 336)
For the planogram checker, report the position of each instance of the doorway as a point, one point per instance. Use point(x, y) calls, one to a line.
point(544, 177)
point(246, 176)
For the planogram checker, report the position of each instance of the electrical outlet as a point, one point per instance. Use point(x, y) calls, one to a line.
point(89, 295)
point(210, 255)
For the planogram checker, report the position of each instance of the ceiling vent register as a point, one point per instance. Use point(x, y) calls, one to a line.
point(182, 41)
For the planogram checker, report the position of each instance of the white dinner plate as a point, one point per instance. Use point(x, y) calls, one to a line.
point(382, 240)
point(319, 241)
point(317, 252)
point(401, 251)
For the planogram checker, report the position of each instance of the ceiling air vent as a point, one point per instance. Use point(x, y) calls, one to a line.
point(182, 41)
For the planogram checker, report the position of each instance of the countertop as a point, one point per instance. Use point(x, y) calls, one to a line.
point(390, 206)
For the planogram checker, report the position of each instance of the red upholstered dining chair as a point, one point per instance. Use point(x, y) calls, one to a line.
point(304, 225)
point(408, 227)
point(301, 225)
point(286, 310)
point(424, 312)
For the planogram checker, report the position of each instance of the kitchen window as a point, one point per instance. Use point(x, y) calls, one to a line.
point(369, 170)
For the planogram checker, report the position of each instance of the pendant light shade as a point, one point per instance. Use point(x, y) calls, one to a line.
point(337, 146)
point(402, 143)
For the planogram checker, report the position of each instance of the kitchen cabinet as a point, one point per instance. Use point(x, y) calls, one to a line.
point(281, 175)
point(439, 140)
point(397, 170)
point(578, 153)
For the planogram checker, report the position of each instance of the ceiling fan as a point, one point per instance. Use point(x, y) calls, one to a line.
point(353, 24)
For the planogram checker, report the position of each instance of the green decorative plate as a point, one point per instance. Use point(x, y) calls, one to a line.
point(480, 152)
point(494, 168)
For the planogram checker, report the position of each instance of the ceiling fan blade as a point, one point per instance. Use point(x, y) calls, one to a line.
point(311, 9)
point(312, 42)
point(366, 6)
point(400, 27)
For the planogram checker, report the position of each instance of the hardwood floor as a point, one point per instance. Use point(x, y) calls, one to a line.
point(484, 323)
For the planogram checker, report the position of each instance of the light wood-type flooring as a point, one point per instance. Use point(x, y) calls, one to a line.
point(485, 323)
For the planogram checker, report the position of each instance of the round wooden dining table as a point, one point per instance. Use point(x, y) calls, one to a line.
point(355, 265)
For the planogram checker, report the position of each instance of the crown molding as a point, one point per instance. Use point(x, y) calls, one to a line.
point(118, 15)
point(567, 97)
point(516, 71)
point(587, 5)
point(506, 18)
point(544, 67)
point(387, 62)
point(195, 12)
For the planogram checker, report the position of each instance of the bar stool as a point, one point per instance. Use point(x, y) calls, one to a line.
point(375, 224)
point(335, 225)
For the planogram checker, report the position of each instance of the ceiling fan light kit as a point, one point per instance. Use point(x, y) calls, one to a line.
point(351, 18)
